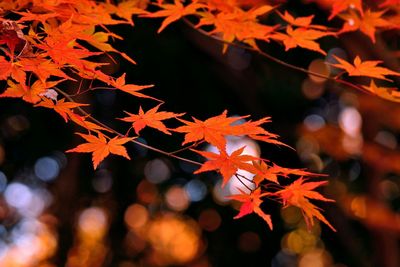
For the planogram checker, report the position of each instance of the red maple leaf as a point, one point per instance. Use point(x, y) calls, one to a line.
point(226, 164)
point(251, 203)
point(12, 36)
point(5, 68)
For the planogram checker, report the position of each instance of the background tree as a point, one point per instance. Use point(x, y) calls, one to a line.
point(58, 55)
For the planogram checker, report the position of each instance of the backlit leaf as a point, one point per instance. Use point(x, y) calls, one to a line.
point(101, 148)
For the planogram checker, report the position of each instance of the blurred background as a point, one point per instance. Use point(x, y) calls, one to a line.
point(55, 210)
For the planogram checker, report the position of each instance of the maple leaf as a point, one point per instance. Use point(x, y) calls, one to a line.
point(90, 126)
point(88, 70)
point(174, 11)
point(342, 5)
point(90, 13)
point(271, 173)
point(226, 164)
point(131, 88)
point(366, 68)
point(5, 68)
point(126, 9)
point(251, 203)
point(151, 118)
point(65, 52)
point(19, 75)
point(302, 37)
point(61, 107)
point(298, 194)
point(12, 36)
point(388, 3)
point(239, 24)
point(367, 24)
point(304, 22)
point(299, 21)
point(211, 130)
point(61, 43)
point(101, 148)
point(29, 16)
point(100, 39)
point(220, 5)
point(387, 93)
point(253, 130)
point(42, 68)
point(31, 94)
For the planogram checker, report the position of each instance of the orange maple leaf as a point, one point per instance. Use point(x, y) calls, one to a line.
point(151, 118)
point(221, 5)
point(271, 173)
point(132, 89)
point(367, 24)
point(226, 164)
point(174, 11)
point(101, 148)
point(304, 22)
point(126, 9)
point(31, 94)
point(342, 5)
point(100, 39)
point(302, 37)
point(61, 107)
point(42, 68)
point(65, 52)
point(251, 203)
point(298, 193)
point(366, 68)
point(388, 93)
point(211, 130)
point(90, 126)
point(299, 21)
point(40, 17)
point(239, 24)
point(253, 130)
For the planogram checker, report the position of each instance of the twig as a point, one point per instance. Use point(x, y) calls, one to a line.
point(121, 135)
point(274, 59)
point(245, 185)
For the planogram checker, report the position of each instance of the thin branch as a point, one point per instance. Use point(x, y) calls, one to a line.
point(245, 185)
point(274, 59)
point(186, 148)
point(121, 135)
point(244, 177)
point(92, 89)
